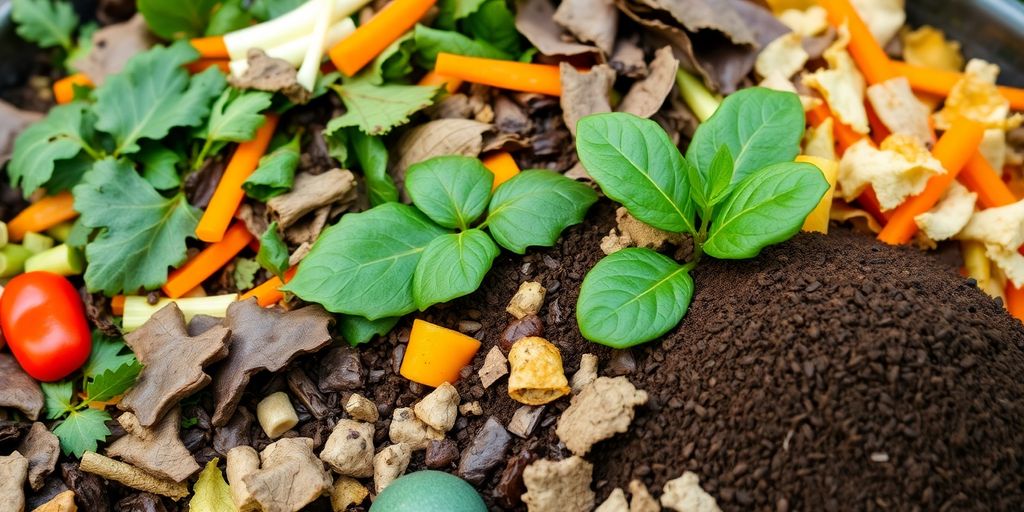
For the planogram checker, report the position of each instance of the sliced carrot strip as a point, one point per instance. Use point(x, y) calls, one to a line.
point(433, 78)
point(64, 89)
point(117, 305)
point(268, 293)
point(953, 150)
point(515, 76)
point(1015, 301)
point(979, 177)
point(436, 355)
point(229, 193)
point(42, 215)
point(208, 261)
point(879, 131)
point(202, 64)
point(357, 50)
point(940, 82)
point(865, 50)
point(211, 47)
point(503, 166)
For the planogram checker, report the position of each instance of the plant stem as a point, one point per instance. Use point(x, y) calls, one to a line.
point(197, 162)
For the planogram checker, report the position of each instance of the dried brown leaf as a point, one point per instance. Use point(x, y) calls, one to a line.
point(13, 121)
point(18, 390)
point(158, 450)
point(438, 138)
point(113, 46)
point(42, 449)
point(646, 96)
point(535, 20)
point(265, 73)
point(593, 21)
point(585, 92)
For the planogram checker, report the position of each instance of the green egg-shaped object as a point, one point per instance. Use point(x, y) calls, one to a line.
point(429, 491)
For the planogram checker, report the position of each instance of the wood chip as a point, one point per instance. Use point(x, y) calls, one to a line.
point(495, 367)
point(290, 476)
point(157, 450)
point(525, 420)
point(42, 449)
point(310, 192)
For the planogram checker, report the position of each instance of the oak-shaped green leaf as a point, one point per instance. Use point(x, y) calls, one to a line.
point(357, 330)
point(107, 354)
point(46, 23)
point(113, 382)
point(160, 166)
point(453, 266)
point(768, 207)
point(58, 398)
point(452, 190)
point(636, 164)
point(82, 431)
point(377, 109)
point(141, 233)
point(430, 42)
point(236, 115)
point(60, 136)
point(534, 207)
point(760, 127)
point(364, 264)
point(172, 19)
point(631, 297)
point(275, 174)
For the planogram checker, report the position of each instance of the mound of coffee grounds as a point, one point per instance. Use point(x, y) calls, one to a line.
point(833, 373)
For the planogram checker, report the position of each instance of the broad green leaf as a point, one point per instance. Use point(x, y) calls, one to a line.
point(59, 136)
point(452, 11)
point(453, 266)
point(142, 233)
point(153, 95)
point(357, 330)
point(236, 115)
point(160, 166)
point(174, 19)
point(228, 17)
point(107, 354)
point(273, 253)
point(631, 297)
point(766, 208)
point(245, 273)
point(452, 190)
point(377, 109)
point(372, 156)
point(534, 207)
point(112, 382)
point(58, 398)
point(46, 23)
point(337, 146)
point(82, 431)
point(211, 492)
point(393, 64)
point(275, 174)
point(636, 164)
point(68, 173)
point(364, 264)
point(720, 175)
point(82, 48)
point(760, 127)
point(270, 9)
point(430, 42)
point(493, 22)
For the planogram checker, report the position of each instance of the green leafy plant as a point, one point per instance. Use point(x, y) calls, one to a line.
point(395, 258)
point(736, 192)
point(49, 24)
point(79, 404)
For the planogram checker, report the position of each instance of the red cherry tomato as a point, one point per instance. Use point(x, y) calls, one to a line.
point(44, 323)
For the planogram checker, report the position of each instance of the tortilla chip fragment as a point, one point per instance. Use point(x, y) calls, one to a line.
point(806, 22)
point(884, 18)
point(927, 46)
point(900, 169)
point(950, 215)
point(785, 55)
point(899, 109)
point(842, 85)
point(977, 98)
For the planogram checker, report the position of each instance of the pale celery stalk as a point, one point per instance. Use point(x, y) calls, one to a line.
point(700, 100)
point(294, 51)
point(12, 260)
point(3, 234)
point(306, 76)
point(137, 310)
point(61, 231)
point(37, 243)
point(62, 260)
point(278, 31)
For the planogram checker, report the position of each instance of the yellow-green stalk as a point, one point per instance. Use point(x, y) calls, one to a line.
point(37, 243)
point(701, 101)
point(12, 260)
point(137, 309)
point(3, 234)
point(61, 232)
point(62, 260)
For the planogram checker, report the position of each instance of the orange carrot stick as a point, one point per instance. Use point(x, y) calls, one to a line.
point(979, 177)
point(64, 89)
point(42, 215)
point(940, 82)
point(953, 150)
point(229, 193)
point(503, 166)
point(436, 355)
point(515, 76)
point(433, 78)
point(117, 305)
point(200, 65)
point(869, 55)
point(211, 47)
point(879, 131)
point(1015, 300)
point(208, 261)
point(268, 293)
point(358, 49)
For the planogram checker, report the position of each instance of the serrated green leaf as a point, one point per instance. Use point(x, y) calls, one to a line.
point(275, 174)
point(112, 382)
point(364, 264)
point(273, 253)
point(631, 297)
point(452, 190)
point(160, 166)
point(245, 273)
point(236, 115)
point(357, 330)
point(377, 109)
point(636, 164)
point(430, 42)
point(372, 156)
point(452, 11)
point(453, 266)
point(394, 63)
point(534, 207)
point(768, 207)
point(58, 398)
point(493, 22)
point(172, 19)
point(107, 354)
point(760, 127)
point(154, 95)
point(68, 173)
point(46, 23)
point(83, 46)
point(60, 136)
point(142, 233)
point(211, 492)
point(82, 431)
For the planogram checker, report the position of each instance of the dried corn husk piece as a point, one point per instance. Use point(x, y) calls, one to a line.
point(899, 169)
point(842, 85)
point(927, 46)
point(785, 55)
point(950, 215)
point(537, 375)
point(977, 98)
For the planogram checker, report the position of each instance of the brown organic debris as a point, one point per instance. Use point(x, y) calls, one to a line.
point(495, 367)
point(646, 96)
point(593, 21)
point(349, 449)
point(42, 449)
point(264, 339)
point(684, 494)
point(310, 192)
point(527, 300)
point(616, 502)
point(113, 46)
point(390, 464)
point(537, 375)
point(584, 92)
point(347, 492)
point(18, 390)
point(361, 408)
point(172, 362)
point(157, 450)
point(406, 428)
point(438, 138)
point(641, 500)
point(439, 409)
point(13, 121)
point(265, 73)
point(242, 461)
point(13, 473)
point(63, 502)
point(485, 451)
point(471, 409)
point(524, 421)
point(290, 477)
point(131, 476)
point(557, 486)
point(586, 374)
point(535, 20)
point(634, 233)
point(601, 410)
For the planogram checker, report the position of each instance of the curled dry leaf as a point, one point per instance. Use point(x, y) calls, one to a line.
point(265, 73)
point(290, 476)
point(18, 390)
point(157, 450)
point(820, 141)
point(584, 92)
point(113, 46)
point(927, 46)
point(698, 15)
point(950, 215)
point(172, 363)
point(131, 476)
point(13, 121)
point(1001, 229)
point(13, 472)
point(842, 85)
point(601, 410)
point(438, 138)
point(977, 98)
point(899, 169)
point(535, 20)
point(557, 486)
point(42, 449)
point(311, 192)
point(593, 21)
point(900, 111)
point(537, 376)
point(628, 58)
point(264, 339)
point(684, 494)
point(646, 96)
point(785, 56)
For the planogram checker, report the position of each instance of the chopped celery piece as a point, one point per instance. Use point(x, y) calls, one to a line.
point(37, 243)
point(137, 310)
point(61, 260)
point(3, 234)
point(12, 260)
point(700, 100)
point(61, 231)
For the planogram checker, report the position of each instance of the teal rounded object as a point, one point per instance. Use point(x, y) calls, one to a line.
point(429, 491)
